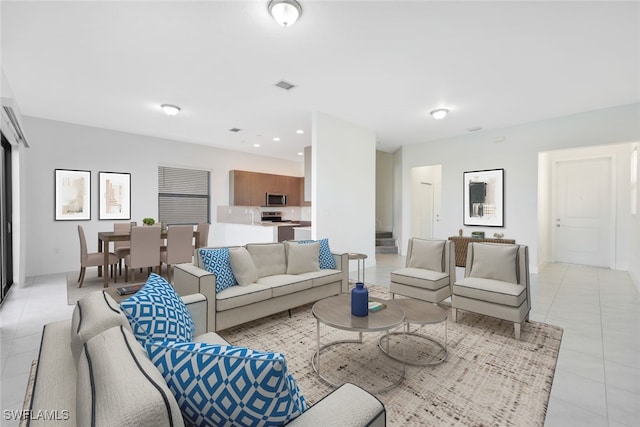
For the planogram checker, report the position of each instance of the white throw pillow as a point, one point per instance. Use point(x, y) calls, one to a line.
point(495, 261)
point(427, 254)
point(243, 266)
point(303, 258)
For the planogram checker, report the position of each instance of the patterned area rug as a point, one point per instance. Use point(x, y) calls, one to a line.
point(488, 378)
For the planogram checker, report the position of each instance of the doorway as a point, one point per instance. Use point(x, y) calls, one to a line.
point(583, 211)
point(425, 201)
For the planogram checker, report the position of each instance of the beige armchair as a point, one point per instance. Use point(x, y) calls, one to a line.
point(496, 283)
point(430, 270)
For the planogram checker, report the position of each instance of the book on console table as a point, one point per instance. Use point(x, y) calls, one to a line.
point(376, 306)
point(128, 290)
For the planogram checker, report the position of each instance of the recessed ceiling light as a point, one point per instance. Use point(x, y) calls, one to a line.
point(235, 130)
point(299, 131)
point(170, 109)
point(300, 154)
point(285, 85)
point(256, 145)
point(276, 139)
point(440, 113)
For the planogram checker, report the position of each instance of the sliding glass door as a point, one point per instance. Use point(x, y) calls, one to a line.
point(6, 243)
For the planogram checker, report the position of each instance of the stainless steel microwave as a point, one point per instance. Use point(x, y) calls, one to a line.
point(276, 199)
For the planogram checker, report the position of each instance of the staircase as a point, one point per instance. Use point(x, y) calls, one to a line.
point(385, 243)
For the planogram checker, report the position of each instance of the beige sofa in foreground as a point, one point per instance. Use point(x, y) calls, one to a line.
point(283, 280)
point(91, 371)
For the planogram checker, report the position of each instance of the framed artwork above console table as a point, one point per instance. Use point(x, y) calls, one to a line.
point(462, 243)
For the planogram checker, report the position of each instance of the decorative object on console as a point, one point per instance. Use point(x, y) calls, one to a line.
point(359, 300)
point(72, 195)
point(148, 221)
point(484, 198)
point(498, 235)
point(477, 234)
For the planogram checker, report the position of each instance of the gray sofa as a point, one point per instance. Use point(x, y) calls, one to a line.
point(92, 371)
point(279, 283)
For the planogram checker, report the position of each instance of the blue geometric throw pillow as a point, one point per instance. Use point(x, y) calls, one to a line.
point(325, 258)
point(217, 261)
point(220, 385)
point(157, 313)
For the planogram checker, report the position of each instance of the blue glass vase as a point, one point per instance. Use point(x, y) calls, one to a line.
point(359, 300)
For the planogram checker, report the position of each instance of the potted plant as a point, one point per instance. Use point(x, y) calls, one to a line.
point(148, 221)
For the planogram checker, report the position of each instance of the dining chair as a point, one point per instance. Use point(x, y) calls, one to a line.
point(93, 259)
point(121, 249)
point(179, 247)
point(203, 235)
point(144, 251)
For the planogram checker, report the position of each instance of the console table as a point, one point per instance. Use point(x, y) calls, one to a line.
point(461, 246)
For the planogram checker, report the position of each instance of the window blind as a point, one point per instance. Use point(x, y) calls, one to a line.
point(183, 195)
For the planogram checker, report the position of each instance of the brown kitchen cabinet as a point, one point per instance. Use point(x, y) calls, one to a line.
point(285, 232)
point(249, 188)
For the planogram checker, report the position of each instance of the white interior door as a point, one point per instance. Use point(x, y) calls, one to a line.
point(583, 209)
point(423, 212)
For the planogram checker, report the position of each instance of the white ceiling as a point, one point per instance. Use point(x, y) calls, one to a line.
point(382, 64)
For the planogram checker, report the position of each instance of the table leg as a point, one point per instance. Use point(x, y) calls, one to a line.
point(100, 244)
point(318, 346)
point(105, 277)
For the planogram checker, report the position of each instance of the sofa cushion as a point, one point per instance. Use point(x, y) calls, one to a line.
point(157, 313)
point(238, 296)
point(495, 261)
point(234, 385)
point(427, 254)
point(243, 266)
point(490, 290)
point(117, 385)
point(323, 277)
point(303, 258)
point(269, 258)
point(283, 284)
point(93, 314)
point(421, 278)
point(325, 257)
point(217, 261)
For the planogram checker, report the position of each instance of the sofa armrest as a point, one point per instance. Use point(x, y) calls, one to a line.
point(348, 405)
point(342, 263)
point(189, 279)
point(197, 306)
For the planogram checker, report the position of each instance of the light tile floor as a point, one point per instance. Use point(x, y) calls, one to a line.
point(597, 381)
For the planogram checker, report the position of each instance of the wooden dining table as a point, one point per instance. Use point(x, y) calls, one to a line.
point(106, 237)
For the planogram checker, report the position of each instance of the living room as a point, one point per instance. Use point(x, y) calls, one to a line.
point(344, 200)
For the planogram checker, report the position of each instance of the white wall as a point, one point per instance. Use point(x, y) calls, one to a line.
point(634, 238)
point(384, 191)
point(52, 246)
point(517, 153)
point(343, 185)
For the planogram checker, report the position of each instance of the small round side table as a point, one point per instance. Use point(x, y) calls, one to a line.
point(420, 313)
point(358, 257)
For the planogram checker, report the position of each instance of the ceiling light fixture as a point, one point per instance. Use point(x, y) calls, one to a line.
point(299, 131)
point(170, 110)
point(276, 139)
point(440, 113)
point(285, 12)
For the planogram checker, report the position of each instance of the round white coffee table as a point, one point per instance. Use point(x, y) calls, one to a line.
point(418, 312)
point(336, 312)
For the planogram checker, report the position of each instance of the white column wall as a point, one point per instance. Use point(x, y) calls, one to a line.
point(343, 185)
